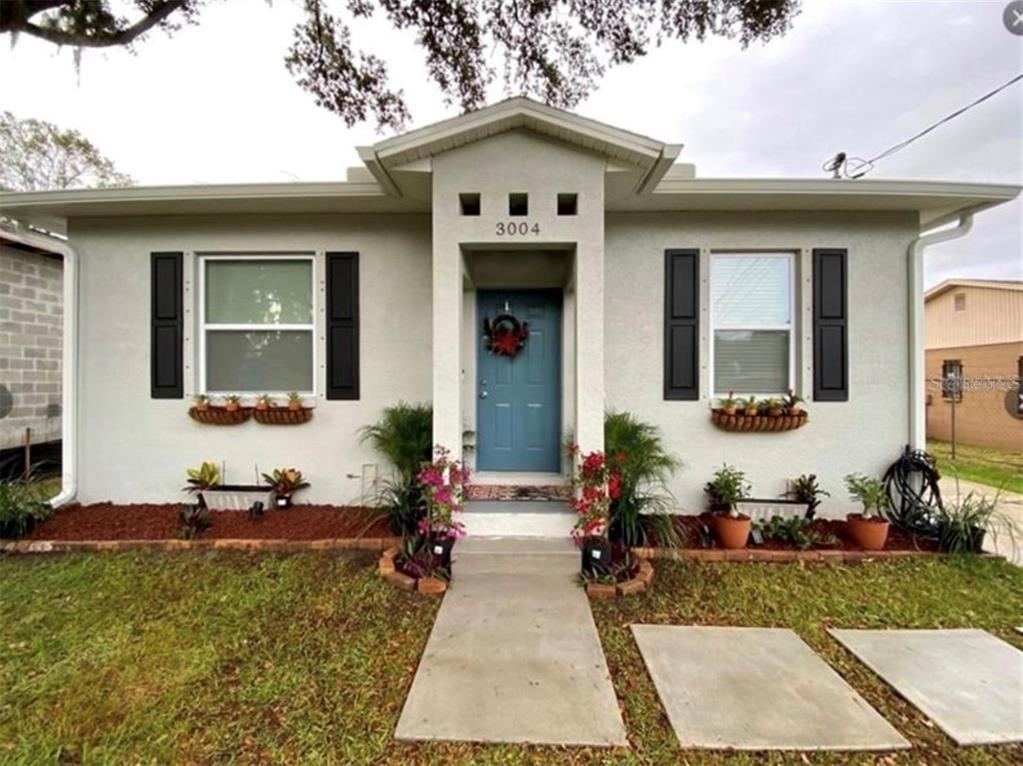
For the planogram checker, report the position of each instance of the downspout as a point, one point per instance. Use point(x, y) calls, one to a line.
point(69, 361)
point(917, 359)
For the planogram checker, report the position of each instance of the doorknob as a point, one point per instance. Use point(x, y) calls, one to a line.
point(483, 394)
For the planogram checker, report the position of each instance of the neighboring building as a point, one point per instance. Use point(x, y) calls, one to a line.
point(31, 324)
point(975, 332)
point(645, 289)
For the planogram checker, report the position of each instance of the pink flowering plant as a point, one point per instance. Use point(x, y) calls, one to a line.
point(596, 485)
point(443, 483)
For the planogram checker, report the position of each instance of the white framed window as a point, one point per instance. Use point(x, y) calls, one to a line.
point(256, 324)
point(751, 316)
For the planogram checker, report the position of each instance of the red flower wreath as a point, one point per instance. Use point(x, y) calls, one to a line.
point(506, 336)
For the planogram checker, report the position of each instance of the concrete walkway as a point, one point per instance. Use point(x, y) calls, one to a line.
point(514, 654)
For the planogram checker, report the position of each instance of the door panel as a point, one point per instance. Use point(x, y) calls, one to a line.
point(518, 424)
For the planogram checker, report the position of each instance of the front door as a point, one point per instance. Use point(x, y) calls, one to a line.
point(518, 422)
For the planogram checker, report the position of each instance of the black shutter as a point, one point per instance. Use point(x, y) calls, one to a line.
point(167, 380)
point(682, 324)
point(342, 325)
point(830, 326)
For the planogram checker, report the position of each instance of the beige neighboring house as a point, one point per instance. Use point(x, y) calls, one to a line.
point(629, 281)
point(31, 326)
point(975, 333)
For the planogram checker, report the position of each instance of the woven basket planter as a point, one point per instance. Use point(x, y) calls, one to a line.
point(283, 416)
point(758, 422)
point(220, 416)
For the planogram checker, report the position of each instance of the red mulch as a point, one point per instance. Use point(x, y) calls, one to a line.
point(825, 528)
point(106, 521)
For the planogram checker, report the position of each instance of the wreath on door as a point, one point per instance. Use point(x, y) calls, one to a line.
point(506, 335)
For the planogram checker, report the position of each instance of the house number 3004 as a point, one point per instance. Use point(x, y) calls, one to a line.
point(512, 228)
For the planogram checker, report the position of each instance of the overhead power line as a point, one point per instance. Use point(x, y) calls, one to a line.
point(855, 167)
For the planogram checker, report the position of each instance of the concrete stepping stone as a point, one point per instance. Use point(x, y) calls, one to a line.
point(756, 689)
point(514, 655)
point(968, 682)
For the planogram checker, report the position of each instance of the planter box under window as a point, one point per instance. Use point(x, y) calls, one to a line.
point(237, 497)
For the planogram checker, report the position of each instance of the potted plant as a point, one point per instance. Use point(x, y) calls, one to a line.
point(294, 401)
point(202, 402)
point(728, 404)
point(961, 525)
point(772, 407)
point(805, 489)
point(232, 403)
point(793, 403)
point(869, 529)
point(285, 482)
point(264, 402)
point(442, 486)
point(596, 485)
point(725, 490)
point(750, 408)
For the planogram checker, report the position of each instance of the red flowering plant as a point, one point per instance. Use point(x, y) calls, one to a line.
point(442, 485)
point(597, 484)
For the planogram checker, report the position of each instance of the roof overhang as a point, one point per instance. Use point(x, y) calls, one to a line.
point(392, 160)
point(936, 202)
point(985, 284)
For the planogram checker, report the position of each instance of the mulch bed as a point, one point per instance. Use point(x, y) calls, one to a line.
point(825, 528)
point(107, 521)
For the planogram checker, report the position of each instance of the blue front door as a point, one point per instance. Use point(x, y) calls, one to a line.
point(518, 423)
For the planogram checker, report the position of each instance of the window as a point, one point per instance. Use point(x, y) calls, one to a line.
point(256, 324)
point(567, 204)
point(470, 204)
point(751, 320)
point(518, 204)
point(960, 301)
point(952, 379)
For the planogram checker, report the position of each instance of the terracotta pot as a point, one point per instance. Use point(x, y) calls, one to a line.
point(728, 411)
point(262, 406)
point(202, 406)
point(777, 412)
point(870, 534)
point(232, 406)
point(294, 405)
point(732, 532)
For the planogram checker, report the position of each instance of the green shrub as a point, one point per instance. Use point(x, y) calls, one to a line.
point(871, 494)
point(403, 435)
point(642, 513)
point(22, 505)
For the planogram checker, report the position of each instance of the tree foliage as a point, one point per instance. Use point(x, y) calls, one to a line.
point(38, 155)
point(553, 50)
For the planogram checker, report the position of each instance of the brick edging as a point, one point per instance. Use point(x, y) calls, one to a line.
point(269, 545)
point(781, 557)
point(643, 580)
point(428, 586)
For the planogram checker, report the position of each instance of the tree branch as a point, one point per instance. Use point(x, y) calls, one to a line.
point(79, 40)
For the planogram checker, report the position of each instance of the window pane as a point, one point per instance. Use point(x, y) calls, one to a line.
point(257, 362)
point(751, 361)
point(751, 290)
point(259, 292)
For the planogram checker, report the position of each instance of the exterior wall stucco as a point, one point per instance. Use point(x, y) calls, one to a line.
point(518, 162)
point(135, 449)
point(864, 434)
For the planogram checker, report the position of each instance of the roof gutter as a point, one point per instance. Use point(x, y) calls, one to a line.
point(917, 361)
point(69, 360)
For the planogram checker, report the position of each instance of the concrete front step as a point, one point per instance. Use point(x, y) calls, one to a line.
point(496, 518)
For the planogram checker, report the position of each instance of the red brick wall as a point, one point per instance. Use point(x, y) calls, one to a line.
point(982, 419)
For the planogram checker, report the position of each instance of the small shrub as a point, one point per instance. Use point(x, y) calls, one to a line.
point(727, 488)
point(206, 476)
point(195, 518)
point(22, 506)
point(794, 530)
point(805, 489)
point(285, 482)
point(962, 524)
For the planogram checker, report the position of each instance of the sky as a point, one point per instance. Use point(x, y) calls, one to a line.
point(215, 104)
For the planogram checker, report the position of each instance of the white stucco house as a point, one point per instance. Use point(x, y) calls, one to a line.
point(645, 288)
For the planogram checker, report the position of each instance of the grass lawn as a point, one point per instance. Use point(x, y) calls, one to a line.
point(996, 468)
point(213, 658)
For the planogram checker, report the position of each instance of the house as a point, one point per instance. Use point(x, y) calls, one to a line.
point(642, 287)
point(31, 332)
point(974, 344)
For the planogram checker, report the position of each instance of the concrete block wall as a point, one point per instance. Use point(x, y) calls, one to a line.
point(31, 327)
